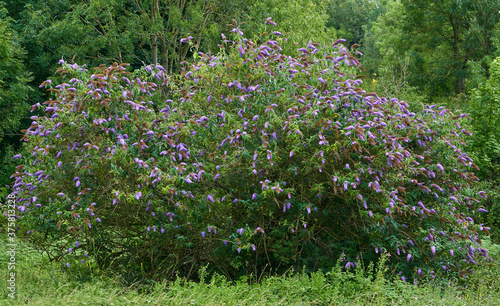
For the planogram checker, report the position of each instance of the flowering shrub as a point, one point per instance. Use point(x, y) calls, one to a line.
point(251, 160)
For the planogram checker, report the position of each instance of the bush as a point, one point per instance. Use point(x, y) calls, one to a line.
point(256, 162)
point(484, 108)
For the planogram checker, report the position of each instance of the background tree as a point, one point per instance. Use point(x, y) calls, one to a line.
point(443, 36)
point(14, 94)
point(351, 18)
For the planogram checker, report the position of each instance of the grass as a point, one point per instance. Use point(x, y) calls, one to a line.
point(40, 282)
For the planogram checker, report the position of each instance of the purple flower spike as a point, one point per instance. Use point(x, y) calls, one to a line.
point(277, 33)
point(269, 21)
point(77, 183)
point(138, 195)
point(419, 271)
point(253, 247)
point(240, 231)
point(255, 117)
point(67, 264)
point(451, 252)
point(210, 198)
point(482, 210)
point(203, 234)
point(224, 241)
point(254, 196)
point(70, 249)
point(408, 258)
point(347, 166)
point(403, 278)
point(433, 249)
point(239, 250)
point(17, 156)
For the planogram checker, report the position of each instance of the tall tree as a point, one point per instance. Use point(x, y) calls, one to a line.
point(14, 93)
point(460, 30)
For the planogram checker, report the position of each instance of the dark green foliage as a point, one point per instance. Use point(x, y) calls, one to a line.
point(484, 109)
point(447, 34)
point(14, 94)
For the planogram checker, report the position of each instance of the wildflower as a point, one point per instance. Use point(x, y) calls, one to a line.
point(277, 33)
point(210, 198)
point(269, 21)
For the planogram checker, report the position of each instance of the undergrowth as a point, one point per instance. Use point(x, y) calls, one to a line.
point(40, 282)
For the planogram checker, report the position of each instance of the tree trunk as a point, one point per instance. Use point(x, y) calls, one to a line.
point(460, 82)
point(155, 12)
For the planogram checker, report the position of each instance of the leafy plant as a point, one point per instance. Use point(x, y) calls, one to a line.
point(249, 160)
